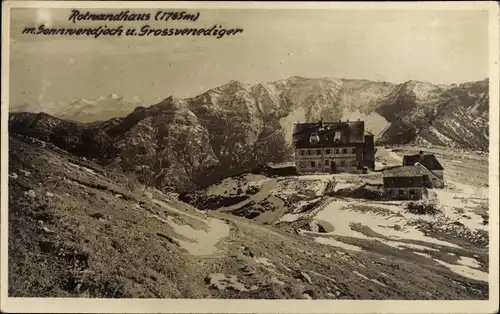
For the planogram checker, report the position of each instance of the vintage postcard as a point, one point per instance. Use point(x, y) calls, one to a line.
point(261, 157)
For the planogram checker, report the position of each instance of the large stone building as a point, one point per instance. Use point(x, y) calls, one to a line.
point(431, 168)
point(404, 183)
point(333, 147)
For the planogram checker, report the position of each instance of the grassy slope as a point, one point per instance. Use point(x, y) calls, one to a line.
point(77, 233)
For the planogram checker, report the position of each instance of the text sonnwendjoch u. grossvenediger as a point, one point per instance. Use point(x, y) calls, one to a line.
point(217, 31)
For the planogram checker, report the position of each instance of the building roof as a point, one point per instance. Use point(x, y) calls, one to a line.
point(403, 171)
point(429, 161)
point(352, 132)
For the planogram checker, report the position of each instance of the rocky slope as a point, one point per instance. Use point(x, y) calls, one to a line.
point(77, 229)
point(168, 145)
point(455, 116)
point(188, 143)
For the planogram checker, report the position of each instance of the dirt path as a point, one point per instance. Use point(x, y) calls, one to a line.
point(387, 158)
point(177, 211)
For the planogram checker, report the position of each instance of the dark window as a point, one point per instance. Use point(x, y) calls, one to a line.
point(301, 152)
point(336, 151)
point(354, 150)
point(401, 192)
point(313, 164)
point(309, 152)
point(344, 151)
point(327, 162)
point(412, 192)
point(328, 151)
point(318, 152)
point(342, 163)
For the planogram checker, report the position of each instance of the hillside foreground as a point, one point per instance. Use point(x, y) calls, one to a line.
point(77, 229)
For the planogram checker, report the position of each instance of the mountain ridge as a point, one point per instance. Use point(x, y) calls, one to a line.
point(182, 143)
point(30, 107)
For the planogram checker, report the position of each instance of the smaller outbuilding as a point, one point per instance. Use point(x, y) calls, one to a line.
point(432, 169)
point(404, 183)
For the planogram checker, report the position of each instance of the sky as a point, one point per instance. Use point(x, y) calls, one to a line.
point(441, 47)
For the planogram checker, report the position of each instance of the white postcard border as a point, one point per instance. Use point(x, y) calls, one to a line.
point(73, 305)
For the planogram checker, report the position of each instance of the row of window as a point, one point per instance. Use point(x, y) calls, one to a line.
point(328, 151)
point(331, 163)
point(407, 180)
point(401, 192)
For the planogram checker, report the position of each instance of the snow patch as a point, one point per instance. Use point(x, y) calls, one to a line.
point(469, 262)
point(443, 138)
point(202, 242)
point(26, 173)
point(466, 271)
point(459, 199)
point(409, 246)
point(360, 275)
point(222, 282)
point(423, 254)
point(83, 168)
point(323, 276)
point(378, 282)
point(343, 185)
point(374, 122)
point(341, 214)
point(395, 156)
point(290, 218)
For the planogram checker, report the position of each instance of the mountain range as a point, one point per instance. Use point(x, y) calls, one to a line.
point(85, 110)
point(182, 144)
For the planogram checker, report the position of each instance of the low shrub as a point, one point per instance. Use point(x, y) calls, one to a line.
point(252, 190)
point(366, 191)
point(422, 208)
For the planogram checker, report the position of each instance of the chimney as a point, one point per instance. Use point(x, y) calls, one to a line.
point(421, 154)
